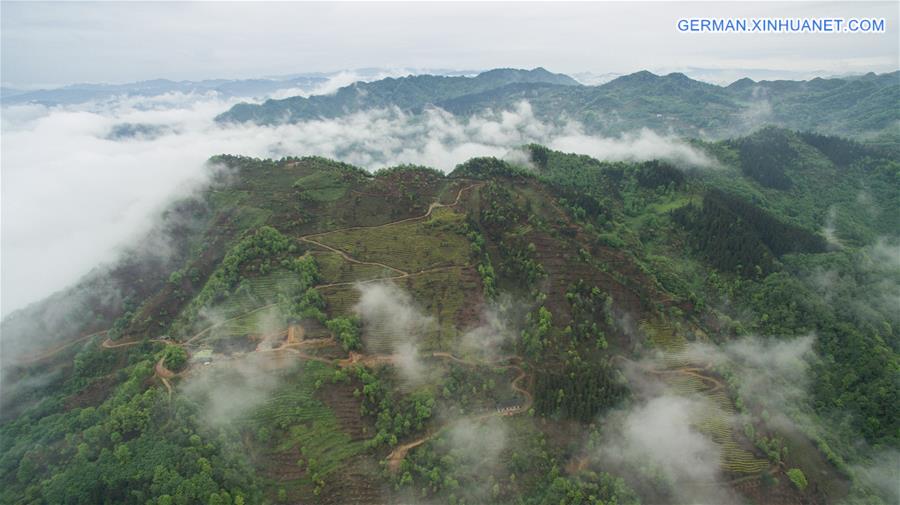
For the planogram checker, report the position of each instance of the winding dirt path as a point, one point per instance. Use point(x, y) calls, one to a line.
point(694, 371)
point(401, 273)
point(216, 325)
point(399, 453)
point(392, 278)
point(164, 375)
point(434, 205)
point(351, 259)
point(108, 344)
point(53, 350)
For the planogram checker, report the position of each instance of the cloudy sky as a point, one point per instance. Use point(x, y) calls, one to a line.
point(46, 44)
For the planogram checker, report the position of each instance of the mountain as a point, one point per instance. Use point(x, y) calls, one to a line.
point(674, 102)
point(411, 93)
point(556, 330)
point(81, 93)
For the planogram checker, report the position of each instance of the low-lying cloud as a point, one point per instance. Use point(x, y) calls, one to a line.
point(394, 325)
point(774, 372)
point(79, 182)
point(659, 436)
point(227, 393)
point(496, 333)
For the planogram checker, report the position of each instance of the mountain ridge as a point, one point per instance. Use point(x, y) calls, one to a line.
point(671, 102)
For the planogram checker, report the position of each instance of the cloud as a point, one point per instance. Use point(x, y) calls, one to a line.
point(658, 436)
point(478, 444)
point(226, 393)
point(487, 341)
point(772, 372)
point(393, 324)
point(829, 230)
point(880, 474)
point(73, 195)
point(642, 145)
point(340, 79)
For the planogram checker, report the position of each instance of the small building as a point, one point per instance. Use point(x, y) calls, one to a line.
point(508, 407)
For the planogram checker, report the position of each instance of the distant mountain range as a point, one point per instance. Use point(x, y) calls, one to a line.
point(242, 88)
point(862, 106)
point(667, 103)
point(411, 93)
point(80, 93)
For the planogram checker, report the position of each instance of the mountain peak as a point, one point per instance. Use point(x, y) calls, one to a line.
point(642, 76)
point(538, 74)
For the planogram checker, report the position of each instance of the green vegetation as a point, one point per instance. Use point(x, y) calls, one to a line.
point(258, 251)
point(852, 105)
point(534, 337)
point(134, 447)
point(798, 478)
point(412, 246)
point(174, 358)
point(553, 295)
point(591, 309)
point(581, 392)
point(346, 330)
point(324, 186)
point(396, 416)
point(735, 236)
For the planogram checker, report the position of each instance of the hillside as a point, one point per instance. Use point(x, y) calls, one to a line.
point(673, 102)
point(501, 334)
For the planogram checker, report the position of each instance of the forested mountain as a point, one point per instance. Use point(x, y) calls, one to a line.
point(408, 93)
point(673, 102)
point(558, 330)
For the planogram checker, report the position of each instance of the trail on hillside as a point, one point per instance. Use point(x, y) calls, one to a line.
point(431, 207)
point(164, 375)
point(399, 453)
point(351, 259)
point(108, 344)
point(53, 350)
point(391, 278)
point(688, 379)
point(220, 323)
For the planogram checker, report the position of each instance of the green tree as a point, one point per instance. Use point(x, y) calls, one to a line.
point(798, 478)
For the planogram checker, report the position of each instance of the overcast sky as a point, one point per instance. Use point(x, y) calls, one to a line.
point(46, 44)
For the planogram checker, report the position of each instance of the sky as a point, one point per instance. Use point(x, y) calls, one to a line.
point(51, 44)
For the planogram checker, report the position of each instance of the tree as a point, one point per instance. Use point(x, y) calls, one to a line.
point(174, 357)
point(798, 478)
point(347, 331)
point(539, 327)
